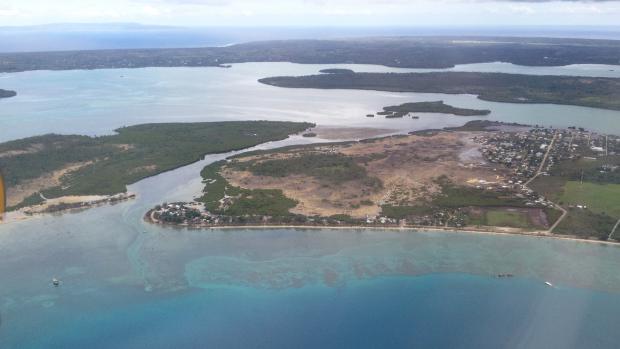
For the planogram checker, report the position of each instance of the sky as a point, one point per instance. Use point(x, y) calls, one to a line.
point(312, 12)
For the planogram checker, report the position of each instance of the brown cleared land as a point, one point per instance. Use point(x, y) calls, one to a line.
point(408, 167)
point(18, 193)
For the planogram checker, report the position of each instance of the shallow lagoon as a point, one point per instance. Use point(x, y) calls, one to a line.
point(128, 284)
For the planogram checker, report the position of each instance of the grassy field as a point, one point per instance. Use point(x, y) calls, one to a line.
point(599, 198)
point(585, 223)
point(462, 196)
point(589, 169)
point(107, 164)
point(602, 200)
point(503, 218)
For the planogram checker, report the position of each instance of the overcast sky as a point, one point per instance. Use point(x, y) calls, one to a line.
point(312, 12)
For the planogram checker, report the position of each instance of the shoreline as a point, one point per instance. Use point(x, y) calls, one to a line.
point(63, 205)
point(410, 228)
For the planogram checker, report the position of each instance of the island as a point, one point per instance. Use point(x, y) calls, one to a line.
point(336, 71)
point(54, 172)
point(399, 111)
point(7, 93)
point(486, 176)
point(403, 52)
point(497, 87)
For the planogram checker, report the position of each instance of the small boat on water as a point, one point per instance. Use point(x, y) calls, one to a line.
point(548, 284)
point(55, 282)
point(507, 275)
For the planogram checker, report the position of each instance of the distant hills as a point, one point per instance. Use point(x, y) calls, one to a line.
point(97, 36)
point(406, 52)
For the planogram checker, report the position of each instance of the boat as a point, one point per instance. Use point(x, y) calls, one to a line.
point(370, 115)
point(55, 282)
point(548, 284)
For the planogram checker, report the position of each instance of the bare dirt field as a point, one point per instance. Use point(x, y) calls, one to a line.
point(408, 167)
point(18, 193)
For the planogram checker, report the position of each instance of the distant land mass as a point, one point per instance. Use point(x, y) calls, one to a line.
point(336, 71)
point(54, 166)
point(407, 52)
point(497, 87)
point(7, 93)
point(106, 36)
point(430, 107)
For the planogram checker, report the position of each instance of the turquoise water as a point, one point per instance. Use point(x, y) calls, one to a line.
point(99, 101)
point(447, 310)
point(128, 284)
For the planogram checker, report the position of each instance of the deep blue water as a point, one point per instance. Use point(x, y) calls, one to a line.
point(432, 311)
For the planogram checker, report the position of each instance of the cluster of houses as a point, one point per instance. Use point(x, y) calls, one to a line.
point(525, 151)
point(537, 150)
point(182, 213)
point(521, 151)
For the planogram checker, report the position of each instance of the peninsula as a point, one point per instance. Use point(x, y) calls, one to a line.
point(497, 87)
point(43, 168)
point(483, 177)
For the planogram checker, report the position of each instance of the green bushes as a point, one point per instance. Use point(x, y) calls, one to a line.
point(243, 202)
point(497, 87)
point(264, 202)
point(335, 168)
point(430, 107)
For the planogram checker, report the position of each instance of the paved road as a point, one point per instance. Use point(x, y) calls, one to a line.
point(544, 160)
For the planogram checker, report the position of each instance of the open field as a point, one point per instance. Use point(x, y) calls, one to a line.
point(54, 166)
point(599, 198)
point(502, 218)
point(357, 179)
point(587, 224)
point(600, 202)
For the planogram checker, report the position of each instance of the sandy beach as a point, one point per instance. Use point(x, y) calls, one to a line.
point(414, 229)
